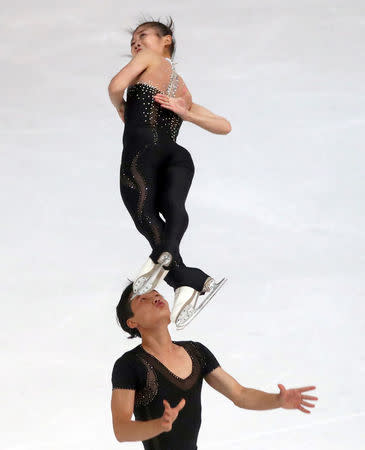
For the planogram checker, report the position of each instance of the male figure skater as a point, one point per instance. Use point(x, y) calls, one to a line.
point(160, 381)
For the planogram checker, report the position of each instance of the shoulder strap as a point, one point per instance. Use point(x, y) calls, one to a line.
point(174, 80)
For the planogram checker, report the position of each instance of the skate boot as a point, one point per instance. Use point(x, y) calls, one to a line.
point(186, 305)
point(151, 274)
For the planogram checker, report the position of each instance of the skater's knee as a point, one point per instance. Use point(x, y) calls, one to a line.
point(139, 224)
point(185, 218)
point(171, 209)
point(181, 220)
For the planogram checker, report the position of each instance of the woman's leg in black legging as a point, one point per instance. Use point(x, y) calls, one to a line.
point(173, 191)
point(138, 188)
point(148, 188)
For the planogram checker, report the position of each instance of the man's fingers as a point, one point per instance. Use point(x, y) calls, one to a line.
point(310, 405)
point(303, 410)
point(309, 397)
point(178, 407)
point(181, 404)
point(307, 388)
point(166, 404)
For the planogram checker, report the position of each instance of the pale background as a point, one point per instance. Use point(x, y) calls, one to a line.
point(276, 206)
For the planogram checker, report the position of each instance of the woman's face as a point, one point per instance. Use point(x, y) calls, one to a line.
point(147, 37)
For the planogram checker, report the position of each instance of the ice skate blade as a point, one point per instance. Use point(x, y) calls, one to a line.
point(189, 312)
point(147, 282)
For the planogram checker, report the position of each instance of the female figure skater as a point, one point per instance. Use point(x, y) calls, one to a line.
point(156, 172)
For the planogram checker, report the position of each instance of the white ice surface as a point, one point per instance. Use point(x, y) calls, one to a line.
point(277, 206)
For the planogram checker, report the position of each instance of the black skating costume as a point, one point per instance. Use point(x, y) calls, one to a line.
point(156, 174)
point(153, 383)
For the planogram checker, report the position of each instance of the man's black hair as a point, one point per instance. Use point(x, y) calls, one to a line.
point(124, 312)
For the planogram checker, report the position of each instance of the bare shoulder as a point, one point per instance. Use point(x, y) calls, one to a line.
point(184, 92)
point(144, 61)
point(183, 85)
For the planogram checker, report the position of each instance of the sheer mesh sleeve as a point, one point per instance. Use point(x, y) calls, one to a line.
point(208, 360)
point(124, 375)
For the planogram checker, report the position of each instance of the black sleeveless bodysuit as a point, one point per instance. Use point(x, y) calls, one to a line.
point(153, 382)
point(155, 177)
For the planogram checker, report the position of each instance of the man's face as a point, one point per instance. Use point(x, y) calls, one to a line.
point(150, 310)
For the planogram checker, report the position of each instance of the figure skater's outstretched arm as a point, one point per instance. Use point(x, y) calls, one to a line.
point(196, 114)
point(254, 399)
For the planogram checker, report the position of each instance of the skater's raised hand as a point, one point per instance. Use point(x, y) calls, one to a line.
point(176, 104)
point(170, 414)
point(294, 399)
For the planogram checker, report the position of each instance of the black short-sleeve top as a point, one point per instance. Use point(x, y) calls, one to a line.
point(153, 382)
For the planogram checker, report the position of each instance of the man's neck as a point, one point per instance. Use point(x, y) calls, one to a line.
point(157, 342)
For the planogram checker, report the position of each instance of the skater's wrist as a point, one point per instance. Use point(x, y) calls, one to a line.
point(158, 426)
point(188, 116)
point(277, 400)
point(205, 119)
point(135, 430)
point(162, 426)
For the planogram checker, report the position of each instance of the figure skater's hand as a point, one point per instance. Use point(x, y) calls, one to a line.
point(293, 398)
point(175, 104)
point(170, 414)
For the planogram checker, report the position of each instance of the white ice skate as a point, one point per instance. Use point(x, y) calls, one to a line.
point(189, 302)
point(151, 274)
